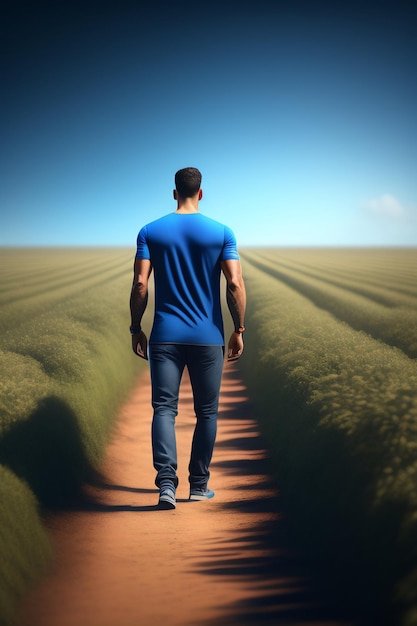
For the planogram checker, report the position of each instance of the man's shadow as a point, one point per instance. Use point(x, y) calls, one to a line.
point(94, 502)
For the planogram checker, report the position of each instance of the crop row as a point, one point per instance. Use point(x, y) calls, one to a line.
point(395, 325)
point(39, 283)
point(385, 275)
point(28, 271)
point(339, 411)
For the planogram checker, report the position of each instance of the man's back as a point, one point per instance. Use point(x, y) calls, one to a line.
point(186, 251)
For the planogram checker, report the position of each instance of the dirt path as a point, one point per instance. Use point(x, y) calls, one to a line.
point(224, 561)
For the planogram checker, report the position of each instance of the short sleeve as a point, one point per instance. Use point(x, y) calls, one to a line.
point(142, 249)
point(229, 251)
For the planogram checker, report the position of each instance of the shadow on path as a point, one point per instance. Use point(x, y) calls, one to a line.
point(281, 586)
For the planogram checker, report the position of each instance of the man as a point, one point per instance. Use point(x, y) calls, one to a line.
point(187, 252)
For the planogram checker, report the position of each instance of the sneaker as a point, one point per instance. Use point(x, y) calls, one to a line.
point(167, 496)
point(201, 494)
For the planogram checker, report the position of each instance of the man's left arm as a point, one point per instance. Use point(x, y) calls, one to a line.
point(138, 301)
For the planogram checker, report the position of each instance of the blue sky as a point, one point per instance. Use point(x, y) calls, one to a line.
point(300, 115)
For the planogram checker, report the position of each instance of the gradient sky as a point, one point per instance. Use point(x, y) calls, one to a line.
point(300, 115)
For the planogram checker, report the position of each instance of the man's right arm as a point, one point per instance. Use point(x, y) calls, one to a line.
point(236, 301)
point(138, 301)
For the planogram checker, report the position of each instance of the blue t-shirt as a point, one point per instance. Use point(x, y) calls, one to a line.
point(186, 251)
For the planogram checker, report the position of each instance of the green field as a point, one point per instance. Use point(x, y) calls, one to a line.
point(64, 334)
point(65, 367)
point(330, 365)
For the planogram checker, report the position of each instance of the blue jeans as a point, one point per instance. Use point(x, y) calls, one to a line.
point(205, 366)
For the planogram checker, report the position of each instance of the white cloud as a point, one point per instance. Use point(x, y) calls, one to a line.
point(386, 206)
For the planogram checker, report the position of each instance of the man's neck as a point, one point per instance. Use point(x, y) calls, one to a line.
point(188, 205)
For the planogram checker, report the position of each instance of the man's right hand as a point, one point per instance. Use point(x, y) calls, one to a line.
point(235, 347)
point(140, 345)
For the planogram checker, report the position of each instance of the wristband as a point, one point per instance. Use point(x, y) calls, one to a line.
point(134, 330)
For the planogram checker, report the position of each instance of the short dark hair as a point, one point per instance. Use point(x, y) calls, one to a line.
point(188, 182)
